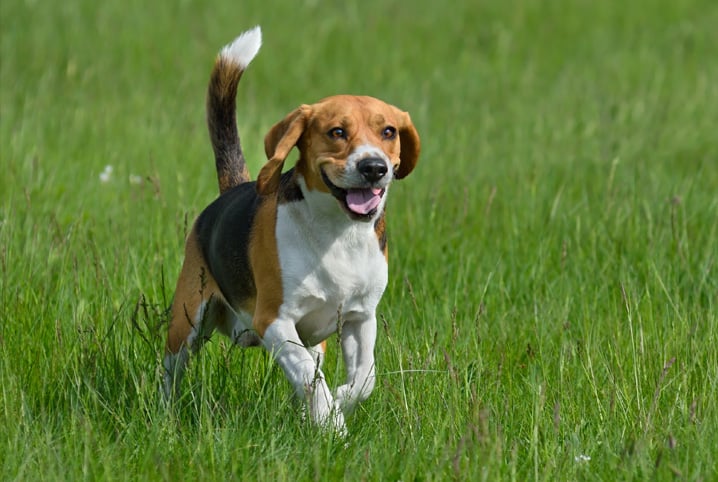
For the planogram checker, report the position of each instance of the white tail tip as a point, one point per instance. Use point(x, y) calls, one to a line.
point(244, 48)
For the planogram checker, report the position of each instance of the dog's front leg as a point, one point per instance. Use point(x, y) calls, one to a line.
point(303, 371)
point(357, 339)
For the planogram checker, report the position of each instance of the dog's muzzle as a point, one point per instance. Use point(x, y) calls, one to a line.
point(360, 203)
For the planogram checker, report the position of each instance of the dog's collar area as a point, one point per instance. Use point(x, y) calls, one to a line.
point(361, 204)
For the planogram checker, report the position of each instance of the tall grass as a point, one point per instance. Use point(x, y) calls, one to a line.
point(551, 312)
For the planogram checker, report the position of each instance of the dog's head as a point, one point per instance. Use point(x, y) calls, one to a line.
point(350, 147)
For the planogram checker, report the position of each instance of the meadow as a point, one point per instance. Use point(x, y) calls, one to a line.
point(551, 309)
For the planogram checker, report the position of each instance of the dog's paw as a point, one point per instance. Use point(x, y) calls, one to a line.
point(347, 399)
point(323, 411)
point(342, 398)
point(335, 422)
point(332, 422)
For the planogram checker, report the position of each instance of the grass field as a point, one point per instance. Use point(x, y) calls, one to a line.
point(551, 311)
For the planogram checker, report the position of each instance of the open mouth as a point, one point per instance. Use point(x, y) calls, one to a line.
point(360, 203)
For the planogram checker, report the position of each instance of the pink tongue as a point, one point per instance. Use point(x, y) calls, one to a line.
point(362, 201)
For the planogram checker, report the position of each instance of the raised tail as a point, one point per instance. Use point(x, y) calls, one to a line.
point(231, 62)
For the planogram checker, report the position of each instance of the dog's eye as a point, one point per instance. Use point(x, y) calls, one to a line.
point(337, 133)
point(389, 132)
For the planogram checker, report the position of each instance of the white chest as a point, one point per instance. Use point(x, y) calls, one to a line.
point(329, 270)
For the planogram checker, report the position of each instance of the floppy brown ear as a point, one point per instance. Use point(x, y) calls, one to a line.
point(280, 139)
point(410, 147)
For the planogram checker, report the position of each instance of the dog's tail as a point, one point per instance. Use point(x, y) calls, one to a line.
point(231, 62)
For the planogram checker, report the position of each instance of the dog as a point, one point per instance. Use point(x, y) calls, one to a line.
point(288, 260)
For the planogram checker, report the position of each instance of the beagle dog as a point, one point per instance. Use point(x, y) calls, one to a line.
point(288, 260)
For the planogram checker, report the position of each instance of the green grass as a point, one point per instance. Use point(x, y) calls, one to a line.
point(553, 289)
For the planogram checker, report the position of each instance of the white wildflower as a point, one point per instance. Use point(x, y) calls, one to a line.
point(582, 458)
point(106, 175)
point(135, 180)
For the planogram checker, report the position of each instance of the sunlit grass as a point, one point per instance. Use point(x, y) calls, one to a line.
point(551, 313)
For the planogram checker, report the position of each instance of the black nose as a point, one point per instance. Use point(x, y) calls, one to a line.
point(372, 168)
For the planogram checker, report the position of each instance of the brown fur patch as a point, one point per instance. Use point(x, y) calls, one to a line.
point(264, 259)
point(195, 285)
point(380, 230)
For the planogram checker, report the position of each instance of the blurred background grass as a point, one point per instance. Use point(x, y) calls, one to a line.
point(553, 288)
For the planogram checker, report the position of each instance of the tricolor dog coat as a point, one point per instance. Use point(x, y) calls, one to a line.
point(283, 261)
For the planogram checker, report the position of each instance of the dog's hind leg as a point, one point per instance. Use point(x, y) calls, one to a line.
point(197, 308)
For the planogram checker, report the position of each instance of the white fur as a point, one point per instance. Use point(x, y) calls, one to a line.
point(244, 48)
point(333, 276)
point(351, 177)
point(174, 365)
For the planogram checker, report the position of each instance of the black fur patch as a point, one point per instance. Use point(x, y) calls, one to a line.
point(224, 229)
point(289, 190)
